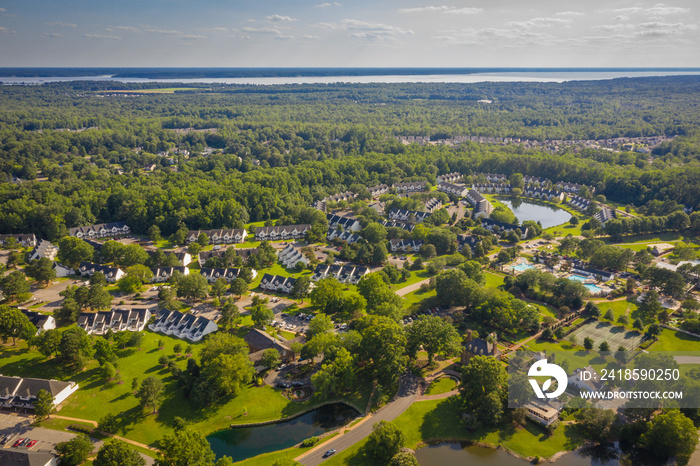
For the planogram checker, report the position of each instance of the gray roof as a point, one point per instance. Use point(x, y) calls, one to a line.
point(24, 458)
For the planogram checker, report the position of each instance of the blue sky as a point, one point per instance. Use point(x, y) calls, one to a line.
point(235, 33)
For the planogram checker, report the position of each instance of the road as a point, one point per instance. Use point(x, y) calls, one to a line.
point(410, 288)
point(408, 391)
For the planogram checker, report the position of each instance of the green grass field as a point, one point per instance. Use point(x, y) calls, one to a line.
point(670, 340)
point(441, 385)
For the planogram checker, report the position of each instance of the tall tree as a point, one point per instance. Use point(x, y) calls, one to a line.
point(385, 441)
point(44, 404)
point(185, 447)
point(75, 347)
point(75, 451)
point(14, 324)
point(41, 270)
point(484, 388)
point(150, 393)
point(116, 452)
point(72, 251)
point(434, 335)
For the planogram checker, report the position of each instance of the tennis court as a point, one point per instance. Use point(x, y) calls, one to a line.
point(602, 331)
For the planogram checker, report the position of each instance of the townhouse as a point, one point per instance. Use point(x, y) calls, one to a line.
point(376, 191)
point(281, 232)
point(244, 253)
point(44, 249)
point(343, 273)
point(493, 177)
point(408, 215)
point(449, 188)
point(579, 203)
point(482, 207)
point(346, 223)
point(534, 180)
point(23, 239)
point(116, 320)
point(432, 205)
point(277, 283)
point(183, 257)
point(405, 245)
point(21, 393)
point(291, 256)
point(502, 227)
point(342, 236)
point(101, 230)
point(467, 241)
point(230, 274)
point(605, 214)
point(450, 177)
point(163, 274)
point(393, 224)
point(221, 236)
point(573, 187)
point(542, 193)
point(411, 187)
point(112, 274)
point(40, 321)
point(492, 188)
point(183, 326)
point(345, 196)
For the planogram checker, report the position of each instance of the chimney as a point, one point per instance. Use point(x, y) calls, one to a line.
point(469, 335)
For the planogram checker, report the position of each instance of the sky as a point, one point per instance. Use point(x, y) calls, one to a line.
point(357, 33)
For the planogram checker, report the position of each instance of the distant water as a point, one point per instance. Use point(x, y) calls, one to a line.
point(271, 76)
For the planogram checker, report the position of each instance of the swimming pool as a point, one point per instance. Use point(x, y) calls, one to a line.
point(523, 267)
point(594, 289)
point(577, 278)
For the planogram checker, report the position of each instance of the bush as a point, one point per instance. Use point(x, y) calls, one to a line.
point(309, 442)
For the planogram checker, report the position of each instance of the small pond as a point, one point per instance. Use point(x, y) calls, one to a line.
point(547, 215)
point(246, 442)
point(455, 453)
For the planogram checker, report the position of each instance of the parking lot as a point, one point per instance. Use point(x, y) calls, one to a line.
point(439, 311)
point(18, 426)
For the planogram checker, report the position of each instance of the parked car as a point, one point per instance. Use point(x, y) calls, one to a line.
point(283, 385)
point(31, 444)
point(18, 442)
point(25, 442)
point(7, 439)
point(297, 384)
point(329, 453)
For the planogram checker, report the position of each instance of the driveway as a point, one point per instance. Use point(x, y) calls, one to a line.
point(408, 391)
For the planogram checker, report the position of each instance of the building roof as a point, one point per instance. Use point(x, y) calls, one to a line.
point(25, 458)
point(261, 340)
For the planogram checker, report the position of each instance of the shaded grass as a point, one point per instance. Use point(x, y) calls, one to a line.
point(441, 385)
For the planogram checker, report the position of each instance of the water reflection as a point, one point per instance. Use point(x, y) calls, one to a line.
point(547, 215)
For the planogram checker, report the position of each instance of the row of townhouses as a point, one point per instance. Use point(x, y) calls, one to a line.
point(450, 188)
point(163, 274)
point(346, 196)
point(579, 203)
point(432, 205)
point(230, 274)
point(482, 207)
point(112, 274)
point(21, 393)
point(23, 239)
point(543, 193)
point(291, 256)
point(40, 321)
point(346, 223)
point(342, 236)
point(411, 187)
point(277, 283)
point(376, 191)
point(450, 177)
point(493, 177)
point(394, 224)
point(405, 245)
point(116, 320)
point(492, 188)
point(467, 241)
point(343, 273)
point(184, 326)
point(408, 215)
point(281, 232)
point(224, 236)
point(204, 256)
point(101, 230)
point(502, 227)
point(44, 250)
point(604, 214)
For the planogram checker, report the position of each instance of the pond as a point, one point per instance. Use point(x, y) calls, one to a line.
point(455, 453)
point(547, 215)
point(246, 442)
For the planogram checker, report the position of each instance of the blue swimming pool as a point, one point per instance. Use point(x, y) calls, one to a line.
point(577, 278)
point(523, 267)
point(594, 289)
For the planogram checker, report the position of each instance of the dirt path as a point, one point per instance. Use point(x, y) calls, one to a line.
point(94, 424)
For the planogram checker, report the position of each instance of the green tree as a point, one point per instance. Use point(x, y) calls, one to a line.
point(193, 286)
point(604, 347)
point(14, 285)
point(98, 297)
point(184, 448)
point(588, 343)
point(75, 451)
point(49, 341)
point(301, 288)
point(609, 315)
point(226, 374)
point(150, 393)
point(218, 288)
point(14, 324)
point(230, 314)
point(115, 452)
point(383, 345)
point(261, 314)
point(43, 405)
point(597, 425)
point(41, 270)
point(670, 434)
point(484, 388)
point(270, 358)
point(72, 251)
point(103, 351)
point(638, 324)
point(154, 233)
point(321, 323)
point(404, 459)
point(434, 335)
point(325, 294)
point(221, 343)
point(385, 441)
point(239, 286)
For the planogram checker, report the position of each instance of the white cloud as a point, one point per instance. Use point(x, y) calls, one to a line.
point(283, 37)
point(442, 9)
point(280, 18)
point(100, 36)
point(540, 22)
point(327, 4)
point(663, 10)
point(464, 11)
point(494, 37)
point(569, 13)
point(621, 18)
point(192, 37)
point(59, 23)
point(310, 37)
point(167, 32)
point(216, 29)
point(262, 30)
point(49, 35)
point(2, 10)
point(372, 31)
point(126, 28)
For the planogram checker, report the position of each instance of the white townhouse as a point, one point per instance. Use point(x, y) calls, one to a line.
point(450, 188)
point(112, 274)
point(542, 193)
point(579, 203)
point(342, 236)
point(21, 393)
point(394, 224)
point(44, 249)
point(493, 177)
point(163, 274)
point(432, 205)
point(346, 223)
point(450, 177)
point(411, 186)
point(281, 232)
point(101, 230)
point(482, 207)
point(343, 273)
point(277, 283)
point(494, 188)
point(502, 227)
point(291, 256)
point(345, 196)
point(376, 191)
point(405, 245)
point(220, 236)
point(26, 240)
point(41, 321)
point(184, 326)
point(230, 274)
point(408, 215)
point(116, 320)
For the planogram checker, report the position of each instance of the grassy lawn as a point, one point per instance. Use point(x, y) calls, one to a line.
point(277, 269)
point(415, 277)
point(412, 300)
point(675, 341)
point(435, 420)
point(441, 385)
point(493, 280)
point(626, 307)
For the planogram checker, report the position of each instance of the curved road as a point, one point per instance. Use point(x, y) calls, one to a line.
point(408, 391)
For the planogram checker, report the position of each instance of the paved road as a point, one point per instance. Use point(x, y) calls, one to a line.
point(407, 394)
point(410, 288)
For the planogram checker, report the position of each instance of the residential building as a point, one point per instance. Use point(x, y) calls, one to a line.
point(482, 207)
point(163, 274)
point(572, 187)
point(479, 347)
point(26, 240)
point(450, 177)
point(542, 193)
point(101, 230)
point(44, 249)
point(184, 326)
point(291, 256)
point(204, 256)
point(376, 191)
point(343, 273)
point(405, 245)
point(579, 203)
point(491, 188)
point(277, 283)
point(259, 340)
point(453, 189)
point(544, 413)
point(605, 214)
point(281, 232)
point(468, 241)
point(27, 458)
point(116, 320)
point(220, 236)
point(405, 226)
point(408, 215)
point(41, 321)
point(21, 393)
point(345, 196)
point(342, 236)
point(112, 274)
point(534, 180)
point(213, 274)
point(62, 270)
point(432, 205)
point(493, 177)
point(183, 257)
point(411, 186)
point(346, 223)
point(502, 227)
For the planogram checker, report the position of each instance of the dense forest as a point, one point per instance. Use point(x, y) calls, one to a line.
point(74, 153)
